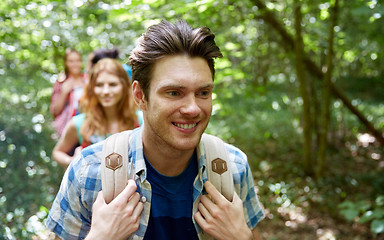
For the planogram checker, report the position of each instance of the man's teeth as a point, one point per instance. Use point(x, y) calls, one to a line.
point(185, 126)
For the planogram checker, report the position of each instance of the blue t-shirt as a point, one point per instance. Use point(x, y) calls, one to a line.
point(171, 204)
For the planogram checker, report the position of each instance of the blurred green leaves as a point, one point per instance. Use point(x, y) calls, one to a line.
point(256, 104)
point(365, 212)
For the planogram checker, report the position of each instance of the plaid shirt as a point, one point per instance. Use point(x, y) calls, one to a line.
point(71, 212)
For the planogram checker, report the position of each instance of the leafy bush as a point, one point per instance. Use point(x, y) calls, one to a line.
point(365, 212)
point(29, 179)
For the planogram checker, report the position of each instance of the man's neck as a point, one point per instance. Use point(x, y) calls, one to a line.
point(165, 159)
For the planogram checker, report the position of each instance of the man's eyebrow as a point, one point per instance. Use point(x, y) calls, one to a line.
point(178, 86)
point(209, 85)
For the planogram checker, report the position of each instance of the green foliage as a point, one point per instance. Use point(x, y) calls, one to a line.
point(364, 212)
point(28, 177)
point(351, 210)
point(257, 106)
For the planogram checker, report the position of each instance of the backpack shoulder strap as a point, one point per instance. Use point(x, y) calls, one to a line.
point(114, 165)
point(218, 165)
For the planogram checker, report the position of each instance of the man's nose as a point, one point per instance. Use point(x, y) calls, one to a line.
point(190, 106)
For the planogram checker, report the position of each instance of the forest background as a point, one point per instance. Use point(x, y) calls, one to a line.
point(299, 89)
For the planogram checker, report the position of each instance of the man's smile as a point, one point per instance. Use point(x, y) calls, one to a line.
point(185, 126)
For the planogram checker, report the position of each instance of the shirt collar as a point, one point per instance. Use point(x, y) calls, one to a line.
point(202, 163)
point(136, 153)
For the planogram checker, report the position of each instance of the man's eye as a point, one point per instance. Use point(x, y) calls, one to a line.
point(204, 93)
point(173, 93)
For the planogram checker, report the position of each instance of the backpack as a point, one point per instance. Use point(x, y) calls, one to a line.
point(116, 168)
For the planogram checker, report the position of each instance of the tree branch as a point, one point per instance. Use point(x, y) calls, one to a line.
point(269, 17)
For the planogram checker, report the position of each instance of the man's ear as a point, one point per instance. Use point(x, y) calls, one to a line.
point(138, 95)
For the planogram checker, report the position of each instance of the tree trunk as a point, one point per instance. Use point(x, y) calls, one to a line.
point(325, 111)
point(303, 85)
point(268, 16)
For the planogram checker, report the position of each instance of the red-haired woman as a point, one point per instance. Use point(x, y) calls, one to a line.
point(107, 107)
point(67, 90)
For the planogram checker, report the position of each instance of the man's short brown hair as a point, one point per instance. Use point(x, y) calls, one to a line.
point(165, 39)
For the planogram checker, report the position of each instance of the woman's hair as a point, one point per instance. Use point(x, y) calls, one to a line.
point(104, 53)
point(67, 52)
point(165, 39)
point(96, 121)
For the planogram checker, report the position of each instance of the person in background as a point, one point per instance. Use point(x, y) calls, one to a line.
point(95, 56)
point(173, 70)
point(107, 107)
point(67, 90)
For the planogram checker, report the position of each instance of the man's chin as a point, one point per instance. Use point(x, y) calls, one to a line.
point(185, 144)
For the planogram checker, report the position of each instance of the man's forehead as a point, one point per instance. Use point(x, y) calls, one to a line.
point(181, 70)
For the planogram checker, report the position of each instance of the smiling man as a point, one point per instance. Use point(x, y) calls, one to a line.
point(173, 72)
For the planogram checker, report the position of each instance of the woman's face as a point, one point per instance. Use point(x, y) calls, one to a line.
point(108, 89)
point(73, 63)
